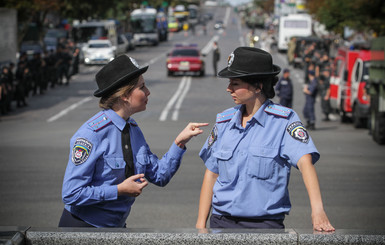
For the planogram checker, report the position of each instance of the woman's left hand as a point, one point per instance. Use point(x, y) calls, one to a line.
point(321, 222)
point(192, 129)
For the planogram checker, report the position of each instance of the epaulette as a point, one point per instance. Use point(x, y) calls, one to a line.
point(278, 110)
point(132, 122)
point(99, 122)
point(226, 115)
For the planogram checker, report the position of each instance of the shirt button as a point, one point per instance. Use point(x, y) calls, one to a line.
point(126, 146)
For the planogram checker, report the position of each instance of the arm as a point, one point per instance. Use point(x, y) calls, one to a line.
point(309, 175)
point(205, 198)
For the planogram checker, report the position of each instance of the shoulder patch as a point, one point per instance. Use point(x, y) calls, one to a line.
point(81, 151)
point(132, 122)
point(226, 115)
point(298, 132)
point(278, 110)
point(99, 122)
point(213, 136)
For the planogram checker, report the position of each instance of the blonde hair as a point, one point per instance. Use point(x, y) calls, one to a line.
point(108, 101)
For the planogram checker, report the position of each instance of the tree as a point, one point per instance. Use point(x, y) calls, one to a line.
point(360, 15)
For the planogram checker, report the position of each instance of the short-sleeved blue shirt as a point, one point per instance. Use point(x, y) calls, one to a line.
point(96, 166)
point(254, 162)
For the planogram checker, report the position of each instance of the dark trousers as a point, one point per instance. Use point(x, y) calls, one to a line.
point(69, 220)
point(220, 221)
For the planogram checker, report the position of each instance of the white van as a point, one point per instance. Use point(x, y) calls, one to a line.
point(299, 25)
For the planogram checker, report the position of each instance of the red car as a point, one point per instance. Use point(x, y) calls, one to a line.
point(183, 59)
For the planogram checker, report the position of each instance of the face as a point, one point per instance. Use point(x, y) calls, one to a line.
point(138, 98)
point(242, 92)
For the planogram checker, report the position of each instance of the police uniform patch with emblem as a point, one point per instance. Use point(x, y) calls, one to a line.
point(298, 132)
point(81, 151)
point(213, 136)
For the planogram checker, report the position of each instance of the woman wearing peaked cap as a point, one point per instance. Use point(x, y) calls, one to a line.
point(110, 162)
point(251, 150)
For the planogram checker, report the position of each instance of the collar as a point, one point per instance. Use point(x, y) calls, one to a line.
point(117, 120)
point(259, 116)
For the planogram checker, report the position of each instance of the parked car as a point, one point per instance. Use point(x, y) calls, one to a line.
point(31, 48)
point(184, 59)
point(98, 52)
point(130, 38)
point(122, 46)
point(50, 43)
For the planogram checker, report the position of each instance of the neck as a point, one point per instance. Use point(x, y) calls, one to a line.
point(252, 108)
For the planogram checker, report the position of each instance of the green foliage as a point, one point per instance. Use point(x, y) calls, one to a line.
point(361, 15)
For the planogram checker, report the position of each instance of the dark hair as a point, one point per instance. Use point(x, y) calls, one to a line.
point(268, 83)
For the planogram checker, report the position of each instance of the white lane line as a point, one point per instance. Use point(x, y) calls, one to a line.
point(68, 109)
point(180, 100)
point(173, 99)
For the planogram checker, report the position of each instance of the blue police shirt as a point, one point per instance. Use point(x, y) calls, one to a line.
point(96, 167)
point(253, 163)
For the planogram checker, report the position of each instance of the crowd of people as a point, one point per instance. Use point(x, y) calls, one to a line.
point(317, 71)
point(34, 74)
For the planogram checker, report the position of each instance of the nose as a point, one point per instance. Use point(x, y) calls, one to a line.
point(229, 88)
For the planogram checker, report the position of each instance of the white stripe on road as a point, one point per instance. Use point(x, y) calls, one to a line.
point(68, 109)
point(180, 100)
point(180, 93)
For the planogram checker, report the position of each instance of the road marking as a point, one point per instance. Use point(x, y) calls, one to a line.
point(68, 109)
point(180, 100)
point(179, 95)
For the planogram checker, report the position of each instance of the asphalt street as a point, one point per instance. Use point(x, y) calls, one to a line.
point(34, 146)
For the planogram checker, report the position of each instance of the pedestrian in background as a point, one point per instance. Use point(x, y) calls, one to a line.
point(110, 162)
point(251, 150)
point(310, 91)
point(284, 89)
point(324, 87)
point(216, 57)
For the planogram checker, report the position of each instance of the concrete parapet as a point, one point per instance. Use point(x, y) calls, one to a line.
point(59, 236)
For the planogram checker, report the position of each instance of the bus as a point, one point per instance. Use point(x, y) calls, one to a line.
point(299, 25)
point(144, 26)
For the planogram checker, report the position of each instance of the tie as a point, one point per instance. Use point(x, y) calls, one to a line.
point(127, 151)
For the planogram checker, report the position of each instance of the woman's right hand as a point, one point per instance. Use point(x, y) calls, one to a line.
point(132, 186)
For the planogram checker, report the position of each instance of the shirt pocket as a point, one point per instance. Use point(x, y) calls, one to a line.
point(224, 173)
point(261, 162)
point(115, 167)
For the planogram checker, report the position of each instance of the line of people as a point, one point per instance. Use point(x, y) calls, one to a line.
point(316, 82)
point(34, 74)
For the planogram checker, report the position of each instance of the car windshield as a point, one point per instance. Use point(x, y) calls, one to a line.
point(99, 45)
point(185, 52)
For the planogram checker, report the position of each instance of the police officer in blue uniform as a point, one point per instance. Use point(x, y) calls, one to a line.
point(250, 152)
point(284, 89)
point(105, 171)
point(310, 91)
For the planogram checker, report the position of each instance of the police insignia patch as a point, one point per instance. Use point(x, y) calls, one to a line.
point(81, 151)
point(213, 136)
point(298, 132)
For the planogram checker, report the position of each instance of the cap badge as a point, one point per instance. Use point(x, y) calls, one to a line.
point(230, 59)
point(134, 62)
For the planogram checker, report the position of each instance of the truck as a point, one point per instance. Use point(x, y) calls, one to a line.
point(299, 25)
point(376, 87)
point(348, 95)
